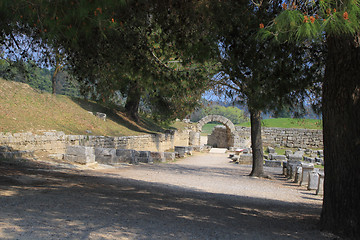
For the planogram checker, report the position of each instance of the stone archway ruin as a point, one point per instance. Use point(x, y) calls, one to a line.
point(230, 128)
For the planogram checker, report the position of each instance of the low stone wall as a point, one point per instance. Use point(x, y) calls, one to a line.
point(289, 137)
point(55, 142)
point(292, 137)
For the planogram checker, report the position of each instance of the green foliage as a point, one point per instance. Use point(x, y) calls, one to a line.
point(160, 47)
point(234, 114)
point(262, 74)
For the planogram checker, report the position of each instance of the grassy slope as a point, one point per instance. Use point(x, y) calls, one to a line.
point(24, 109)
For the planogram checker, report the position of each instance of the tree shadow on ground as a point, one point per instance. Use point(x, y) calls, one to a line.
point(42, 203)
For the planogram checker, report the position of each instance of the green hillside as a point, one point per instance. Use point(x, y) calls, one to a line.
point(23, 108)
point(289, 123)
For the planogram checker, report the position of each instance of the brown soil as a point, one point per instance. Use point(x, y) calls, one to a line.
point(200, 197)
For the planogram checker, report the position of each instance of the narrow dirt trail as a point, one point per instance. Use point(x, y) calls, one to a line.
point(199, 197)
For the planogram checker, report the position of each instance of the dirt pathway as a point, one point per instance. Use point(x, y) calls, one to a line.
point(199, 197)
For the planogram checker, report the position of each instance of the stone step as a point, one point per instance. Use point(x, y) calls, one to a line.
point(218, 150)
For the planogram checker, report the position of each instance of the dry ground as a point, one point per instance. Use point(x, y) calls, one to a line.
point(200, 197)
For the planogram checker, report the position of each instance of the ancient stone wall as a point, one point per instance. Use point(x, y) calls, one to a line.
point(289, 137)
point(218, 138)
point(54, 142)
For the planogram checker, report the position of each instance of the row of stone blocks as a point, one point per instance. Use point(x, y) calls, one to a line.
point(305, 174)
point(9, 153)
point(112, 156)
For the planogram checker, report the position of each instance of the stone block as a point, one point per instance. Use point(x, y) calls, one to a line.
point(198, 148)
point(144, 157)
point(299, 153)
point(272, 163)
point(5, 149)
point(105, 155)
point(291, 168)
point(169, 156)
point(79, 150)
point(157, 156)
point(320, 152)
point(125, 155)
point(298, 174)
point(309, 159)
point(194, 138)
point(270, 149)
point(306, 169)
point(102, 116)
point(284, 168)
point(279, 157)
point(183, 150)
point(80, 154)
point(245, 159)
point(294, 157)
point(320, 188)
point(313, 180)
point(290, 145)
point(288, 152)
point(308, 151)
point(319, 160)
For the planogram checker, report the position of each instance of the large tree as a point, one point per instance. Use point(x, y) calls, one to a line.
point(261, 74)
point(338, 23)
point(150, 51)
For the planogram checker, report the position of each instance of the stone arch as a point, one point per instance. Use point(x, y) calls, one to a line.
point(216, 118)
point(231, 139)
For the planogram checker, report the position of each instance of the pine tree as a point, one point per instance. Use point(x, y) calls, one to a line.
point(338, 24)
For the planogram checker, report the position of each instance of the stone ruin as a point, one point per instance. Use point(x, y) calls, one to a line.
point(227, 135)
point(112, 156)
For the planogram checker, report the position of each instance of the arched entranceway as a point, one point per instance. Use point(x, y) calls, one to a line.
point(230, 128)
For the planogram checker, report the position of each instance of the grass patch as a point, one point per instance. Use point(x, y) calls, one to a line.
point(23, 108)
point(289, 123)
point(208, 128)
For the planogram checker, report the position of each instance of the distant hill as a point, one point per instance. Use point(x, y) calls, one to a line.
point(23, 108)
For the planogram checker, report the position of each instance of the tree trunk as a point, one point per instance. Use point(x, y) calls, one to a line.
point(53, 83)
point(341, 118)
point(256, 144)
point(133, 101)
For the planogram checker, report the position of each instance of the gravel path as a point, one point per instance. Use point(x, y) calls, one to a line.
point(204, 196)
